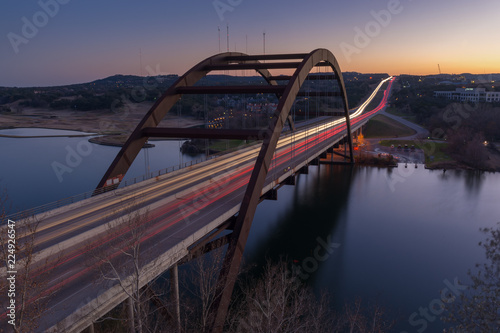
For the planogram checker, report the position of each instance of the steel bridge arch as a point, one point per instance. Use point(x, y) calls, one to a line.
point(287, 94)
point(252, 196)
point(228, 60)
point(159, 110)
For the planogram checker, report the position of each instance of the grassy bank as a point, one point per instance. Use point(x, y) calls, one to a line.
point(404, 115)
point(382, 126)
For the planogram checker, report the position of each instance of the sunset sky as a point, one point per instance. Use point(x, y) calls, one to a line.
point(56, 42)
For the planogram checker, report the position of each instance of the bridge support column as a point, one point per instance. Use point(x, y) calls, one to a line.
point(271, 195)
point(174, 290)
point(345, 150)
point(290, 180)
point(91, 328)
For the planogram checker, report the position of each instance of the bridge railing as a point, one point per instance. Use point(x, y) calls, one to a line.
point(127, 182)
point(85, 195)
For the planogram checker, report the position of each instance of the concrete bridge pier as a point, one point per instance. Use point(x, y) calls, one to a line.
point(357, 133)
point(174, 290)
point(90, 329)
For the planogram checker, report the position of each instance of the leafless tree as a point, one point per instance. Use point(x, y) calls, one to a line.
point(279, 303)
point(467, 146)
point(363, 319)
point(122, 261)
point(478, 308)
point(199, 280)
point(28, 277)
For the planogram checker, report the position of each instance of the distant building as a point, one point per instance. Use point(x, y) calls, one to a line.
point(262, 107)
point(447, 83)
point(470, 95)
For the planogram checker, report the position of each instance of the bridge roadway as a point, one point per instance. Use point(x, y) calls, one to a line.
point(183, 206)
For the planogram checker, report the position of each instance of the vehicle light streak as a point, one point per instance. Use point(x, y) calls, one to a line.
point(289, 147)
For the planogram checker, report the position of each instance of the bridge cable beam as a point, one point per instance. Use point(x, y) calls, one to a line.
point(202, 133)
point(262, 89)
point(288, 56)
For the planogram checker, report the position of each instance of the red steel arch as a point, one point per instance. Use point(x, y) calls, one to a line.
point(251, 199)
point(159, 110)
point(287, 95)
point(223, 61)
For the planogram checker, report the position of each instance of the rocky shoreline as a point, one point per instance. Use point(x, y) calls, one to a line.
point(114, 141)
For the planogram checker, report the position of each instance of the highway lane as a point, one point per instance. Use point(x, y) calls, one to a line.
point(61, 226)
point(241, 184)
point(187, 201)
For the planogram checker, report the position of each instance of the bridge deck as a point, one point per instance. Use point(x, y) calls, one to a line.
point(184, 206)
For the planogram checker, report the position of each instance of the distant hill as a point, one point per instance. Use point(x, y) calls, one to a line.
point(102, 93)
point(127, 81)
point(461, 77)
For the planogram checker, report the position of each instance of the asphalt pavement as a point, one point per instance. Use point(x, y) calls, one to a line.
point(421, 132)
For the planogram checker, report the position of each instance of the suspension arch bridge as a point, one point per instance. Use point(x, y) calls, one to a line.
point(195, 209)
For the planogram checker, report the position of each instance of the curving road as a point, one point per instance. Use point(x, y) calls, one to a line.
point(182, 207)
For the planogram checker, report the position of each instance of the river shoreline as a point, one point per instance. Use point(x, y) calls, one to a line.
point(118, 139)
point(100, 122)
point(45, 136)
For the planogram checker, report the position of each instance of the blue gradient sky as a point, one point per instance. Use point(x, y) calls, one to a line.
point(88, 40)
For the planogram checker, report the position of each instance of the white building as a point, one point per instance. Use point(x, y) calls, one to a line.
point(470, 95)
point(492, 96)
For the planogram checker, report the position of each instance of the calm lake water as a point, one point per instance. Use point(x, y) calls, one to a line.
point(394, 237)
point(37, 171)
point(398, 236)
